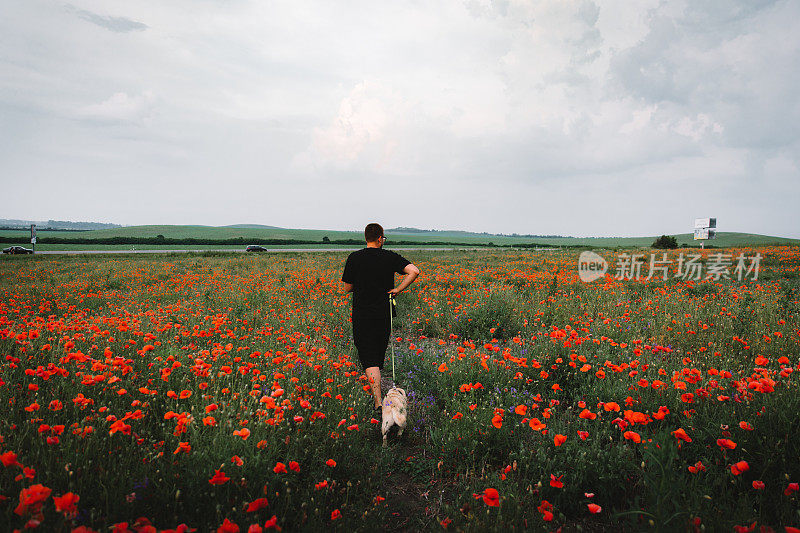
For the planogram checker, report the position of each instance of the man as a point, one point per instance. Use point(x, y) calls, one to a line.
point(369, 275)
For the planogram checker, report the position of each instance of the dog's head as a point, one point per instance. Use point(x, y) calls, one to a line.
point(398, 391)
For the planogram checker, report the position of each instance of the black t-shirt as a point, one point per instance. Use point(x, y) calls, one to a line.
point(371, 272)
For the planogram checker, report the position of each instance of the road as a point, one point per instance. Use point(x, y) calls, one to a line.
point(270, 250)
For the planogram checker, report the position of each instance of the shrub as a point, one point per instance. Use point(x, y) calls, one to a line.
point(667, 242)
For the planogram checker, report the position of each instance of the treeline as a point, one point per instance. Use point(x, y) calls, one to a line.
point(241, 241)
point(484, 233)
point(55, 225)
point(78, 226)
point(40, 228)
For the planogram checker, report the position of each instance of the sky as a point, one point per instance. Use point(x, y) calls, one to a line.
point(583, 118)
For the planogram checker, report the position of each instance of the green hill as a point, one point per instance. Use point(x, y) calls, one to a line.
point(252, 232)
point(251, 226)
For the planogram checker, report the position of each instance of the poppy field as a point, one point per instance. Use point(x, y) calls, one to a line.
point(222, 392)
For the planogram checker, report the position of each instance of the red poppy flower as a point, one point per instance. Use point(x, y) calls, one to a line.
point(739, 467)
point(280, 468)
point(545, 506)
point(680, 433)
point(31, 499)
point(182, 447)
point(490, 497)
point(219, 478)
point(244, 433)
point(67, 503)
point(632, 435)
point(556, 481)
point(255, 505)
point(726, 444)
point(497, 421)
point(697, 467)
point(559, 439)
point(594, 508)
point(228, 527)
point(8, 459)
point(536, 424)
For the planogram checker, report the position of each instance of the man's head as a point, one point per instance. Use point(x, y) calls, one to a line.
point(373, 232)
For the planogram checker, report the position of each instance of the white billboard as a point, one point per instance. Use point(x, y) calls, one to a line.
point(700, 223)
point(704, 233)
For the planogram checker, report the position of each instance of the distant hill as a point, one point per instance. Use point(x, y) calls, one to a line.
point(247, 233)
point(450, 232)
point(251, 226)
point(55, 224)
point(724, 239)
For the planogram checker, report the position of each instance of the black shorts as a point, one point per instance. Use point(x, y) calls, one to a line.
point(371, 337)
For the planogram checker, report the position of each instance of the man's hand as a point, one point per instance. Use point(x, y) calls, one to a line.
point(411, 274)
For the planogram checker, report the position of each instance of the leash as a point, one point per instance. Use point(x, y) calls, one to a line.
point(392, 305)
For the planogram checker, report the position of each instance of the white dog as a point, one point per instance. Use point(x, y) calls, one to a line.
point(394, 409)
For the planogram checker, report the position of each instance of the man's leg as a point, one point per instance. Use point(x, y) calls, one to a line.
point(374, 376)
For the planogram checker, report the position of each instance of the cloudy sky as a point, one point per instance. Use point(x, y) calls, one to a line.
point(545, 117)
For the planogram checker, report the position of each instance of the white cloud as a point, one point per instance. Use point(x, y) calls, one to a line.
point(361, 122)
point(640, 120)
point(121, 107)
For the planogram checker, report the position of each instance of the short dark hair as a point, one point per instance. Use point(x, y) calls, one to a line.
point(373, 232)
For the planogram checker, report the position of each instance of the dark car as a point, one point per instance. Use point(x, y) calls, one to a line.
point(17, 250)
point(255, 248)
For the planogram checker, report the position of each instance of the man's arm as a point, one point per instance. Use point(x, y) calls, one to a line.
point(411, 274)
point(347, 273)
